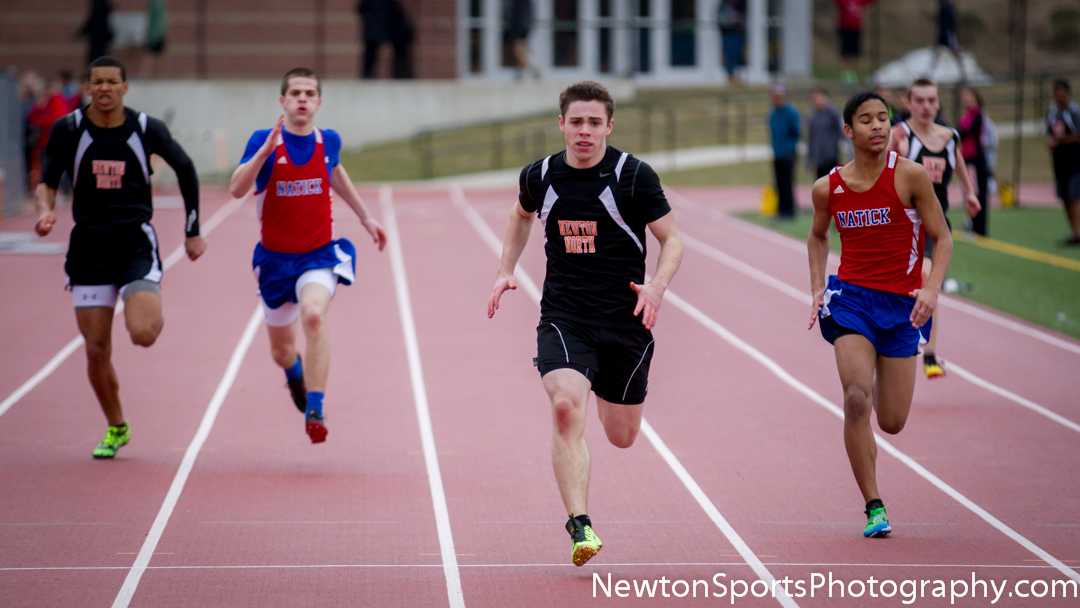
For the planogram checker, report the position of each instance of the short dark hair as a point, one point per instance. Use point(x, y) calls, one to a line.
point(922, 82)
point(857, 100)
point(586, 91)
point(821, 90)
point(1061, 83)
point(107, 61)
point(300, 73)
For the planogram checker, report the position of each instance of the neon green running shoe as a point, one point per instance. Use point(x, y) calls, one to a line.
point(115, 437)
point(586, 543)
point(877, 524)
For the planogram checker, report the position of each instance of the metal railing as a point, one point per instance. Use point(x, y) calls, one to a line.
point(660, 120)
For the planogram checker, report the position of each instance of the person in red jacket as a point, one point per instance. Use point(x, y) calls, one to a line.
point(48, 108)
point(850, 31)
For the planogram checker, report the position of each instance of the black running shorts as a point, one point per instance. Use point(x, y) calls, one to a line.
point(615, 360)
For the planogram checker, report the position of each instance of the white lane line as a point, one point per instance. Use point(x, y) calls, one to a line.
point(143, 559)
point(457, 195)
point(76, 342)
point(836, 410)
point(800, 247)
point(558, 565)
point(802, 296)
point(416, 373)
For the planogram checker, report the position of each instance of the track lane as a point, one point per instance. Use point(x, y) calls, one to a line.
point(976, 540)
point(264, 497)
point(491, 453)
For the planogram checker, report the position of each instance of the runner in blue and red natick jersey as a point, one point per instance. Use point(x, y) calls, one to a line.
point(298, 263)
point(874, 311)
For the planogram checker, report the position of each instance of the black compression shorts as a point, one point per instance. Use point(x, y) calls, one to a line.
point(615, 360)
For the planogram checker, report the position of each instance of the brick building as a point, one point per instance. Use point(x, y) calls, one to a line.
point(651, 41)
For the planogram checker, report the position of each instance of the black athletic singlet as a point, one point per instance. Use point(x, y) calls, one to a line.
point(940, 165)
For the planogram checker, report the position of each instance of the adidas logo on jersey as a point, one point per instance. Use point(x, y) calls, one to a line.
point(839, 190)
point(282, 161)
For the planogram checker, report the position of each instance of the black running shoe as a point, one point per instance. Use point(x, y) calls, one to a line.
point(298, 390)
point(316, 427)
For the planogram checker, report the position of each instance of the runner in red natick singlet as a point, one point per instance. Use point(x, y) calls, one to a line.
point(875, 310)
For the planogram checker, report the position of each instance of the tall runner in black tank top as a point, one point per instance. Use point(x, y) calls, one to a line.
point(597, 311)
point(937, 148)
point(113, 252)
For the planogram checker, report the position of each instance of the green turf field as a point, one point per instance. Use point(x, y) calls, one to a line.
point(1038, 292)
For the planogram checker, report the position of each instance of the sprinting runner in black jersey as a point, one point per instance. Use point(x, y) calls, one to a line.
point(113, 251)
point(937, 148)
point(597, 310)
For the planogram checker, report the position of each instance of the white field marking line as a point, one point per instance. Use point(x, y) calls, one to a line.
point(558, 565)
point(791, 381)
point(416, 374)
point(457, 195)
point(76, 342)
point(805, 298)
point(123, 598)
point(800, 247)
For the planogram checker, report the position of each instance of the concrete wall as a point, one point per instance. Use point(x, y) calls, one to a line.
point(214, 119)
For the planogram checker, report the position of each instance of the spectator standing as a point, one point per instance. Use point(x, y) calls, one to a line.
point(971, 127)
point(948, 39)
point(850, 31)
point(517, 23)
point(375, 20)
point(784, 127)
point(825, 131)
point(157, 27)
point(731, 18)
point(49, 106)
point(402, 33)
point(1063, 139)
point(97, 30)
point(31, 86)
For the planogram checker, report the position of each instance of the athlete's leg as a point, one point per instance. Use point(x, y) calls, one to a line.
point(95, 324)
point(931, 342)
point(621, 422)
point(314, 304)
point(855, 360)
point(893, 389)
point(568, 390)
point(142, 314)
point(283, 343)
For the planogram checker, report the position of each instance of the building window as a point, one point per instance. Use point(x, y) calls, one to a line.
point(476, 36)
point(605, 38)
point(565, 33)
point(644, 38)
point(683, 28)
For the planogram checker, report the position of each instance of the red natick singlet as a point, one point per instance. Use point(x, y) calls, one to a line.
point(881, 239)
point(295, 206)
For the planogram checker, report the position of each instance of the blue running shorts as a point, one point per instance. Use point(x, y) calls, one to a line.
point(277, 272)
point(881, 317)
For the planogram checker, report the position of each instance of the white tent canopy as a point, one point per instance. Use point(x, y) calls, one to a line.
point(920, 64)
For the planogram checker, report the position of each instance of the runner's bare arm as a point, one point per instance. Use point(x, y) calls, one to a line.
point(971, 195)
point(933, 218)
point(817, 246)
point(347, 191)
point(898, 141)
point(651, 294)
point(517, 235)
point(243, 179)
point(45, 202)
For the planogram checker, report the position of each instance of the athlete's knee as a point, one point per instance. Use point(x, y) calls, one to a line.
point(98, 352)
point(283, 354)
point(566, 413)
point(623, 437)
point(858, 402)
point(312, 316)
point(147, 334)
point(891, 424)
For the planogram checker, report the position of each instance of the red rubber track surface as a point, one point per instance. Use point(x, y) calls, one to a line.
point(268, 519)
